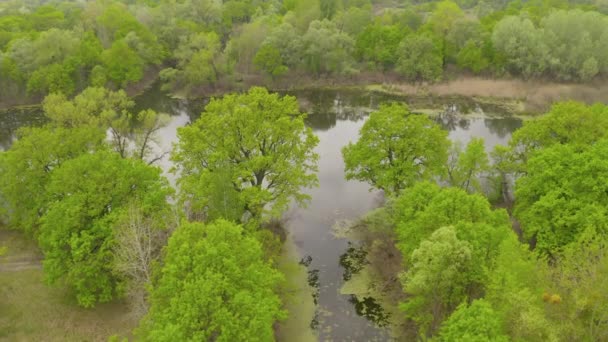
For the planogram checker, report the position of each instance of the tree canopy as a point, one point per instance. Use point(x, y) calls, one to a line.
point(207, 291)
point(259, 140)
point(395, 149)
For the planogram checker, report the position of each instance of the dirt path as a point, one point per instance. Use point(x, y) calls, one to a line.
point(20, 264)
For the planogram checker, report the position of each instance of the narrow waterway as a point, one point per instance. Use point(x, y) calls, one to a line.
point(336, 117)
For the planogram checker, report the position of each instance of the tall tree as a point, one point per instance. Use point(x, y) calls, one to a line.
point(465, 168)
point(563, 193)
point(437, 279)
point(476, 322)
point(87, 195)
point(396, 149)
point(206, 291)
point(263, 139)
point(27, 166)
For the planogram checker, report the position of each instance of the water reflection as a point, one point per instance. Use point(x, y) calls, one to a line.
point(11, 120)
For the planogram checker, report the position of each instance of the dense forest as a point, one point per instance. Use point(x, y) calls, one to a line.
point(203, 44)
point(471, 245)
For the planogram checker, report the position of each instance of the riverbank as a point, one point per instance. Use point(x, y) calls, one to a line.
point(522, 97)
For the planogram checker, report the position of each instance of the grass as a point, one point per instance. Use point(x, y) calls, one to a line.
point(33, 311)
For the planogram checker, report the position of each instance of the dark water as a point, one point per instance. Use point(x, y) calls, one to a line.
point(336, 117)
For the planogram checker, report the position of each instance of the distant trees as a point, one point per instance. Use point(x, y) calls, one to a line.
point(534, 50)
point(395, 149)
point(258, 142)
point(47, 49)
point(420, 59)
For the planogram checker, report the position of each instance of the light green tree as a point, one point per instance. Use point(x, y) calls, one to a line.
point(27, 166)
point(326, 50)
point(465, 168)
point(562, 194)
point(261, 139)
point(396, 149)
point(426, 207)
point(419, 58)
point(437, 279)
point(86, 196)
point(268, 59)
point(476, 322)
point(521, 43)
point(207, 291)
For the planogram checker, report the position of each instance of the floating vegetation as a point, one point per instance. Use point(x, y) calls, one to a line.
point(352, 261)
point(369, 308)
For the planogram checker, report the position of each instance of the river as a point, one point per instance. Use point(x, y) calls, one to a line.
point(336, 117)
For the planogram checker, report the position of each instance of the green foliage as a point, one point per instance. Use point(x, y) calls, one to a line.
point(354, 20)
point(420, 59)
point(437, 278)
point(562, 194)
point(207, 291)
point(86, 195)
point(465, 168)
point(261, 139)
point(522, 44)
point(268, 59)
point(326, 50)
point(122, 64)
point(396, 149)
point(580, 269)
point(108, 110)
point(476, 322)
point(516, 290)
point(426, 207)
point(378, 44)
point(27, 166)
point(570, 123)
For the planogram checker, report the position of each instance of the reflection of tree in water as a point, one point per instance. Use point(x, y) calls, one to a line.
point(313, 282)
point(332, 107)
point(370, 309)
point(451, 118)
point(353, 261)
point(11, 120)
point(502, 127)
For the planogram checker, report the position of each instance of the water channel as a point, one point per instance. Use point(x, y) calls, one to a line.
point(336, 117)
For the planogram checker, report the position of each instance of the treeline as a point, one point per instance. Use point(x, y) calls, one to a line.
point(66, 46)
point(468, 273)
point(199, 264)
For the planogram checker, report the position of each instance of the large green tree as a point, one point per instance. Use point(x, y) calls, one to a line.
point(27, 166)
point(563, 193)
point(86, 197)
point(395, 149)
point(206, 291)
point(476, 322)
point(261, 140)
point(437, 279)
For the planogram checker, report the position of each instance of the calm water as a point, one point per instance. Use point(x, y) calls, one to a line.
point(336, 117)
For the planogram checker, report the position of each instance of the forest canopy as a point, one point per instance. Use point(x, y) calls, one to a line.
point(192, 45)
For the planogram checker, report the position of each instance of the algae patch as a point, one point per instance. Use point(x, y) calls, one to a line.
point(297, 298)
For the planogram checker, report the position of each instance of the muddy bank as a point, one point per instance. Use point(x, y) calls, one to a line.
point(531, 96)
point(524, 97)
point(536, 96)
